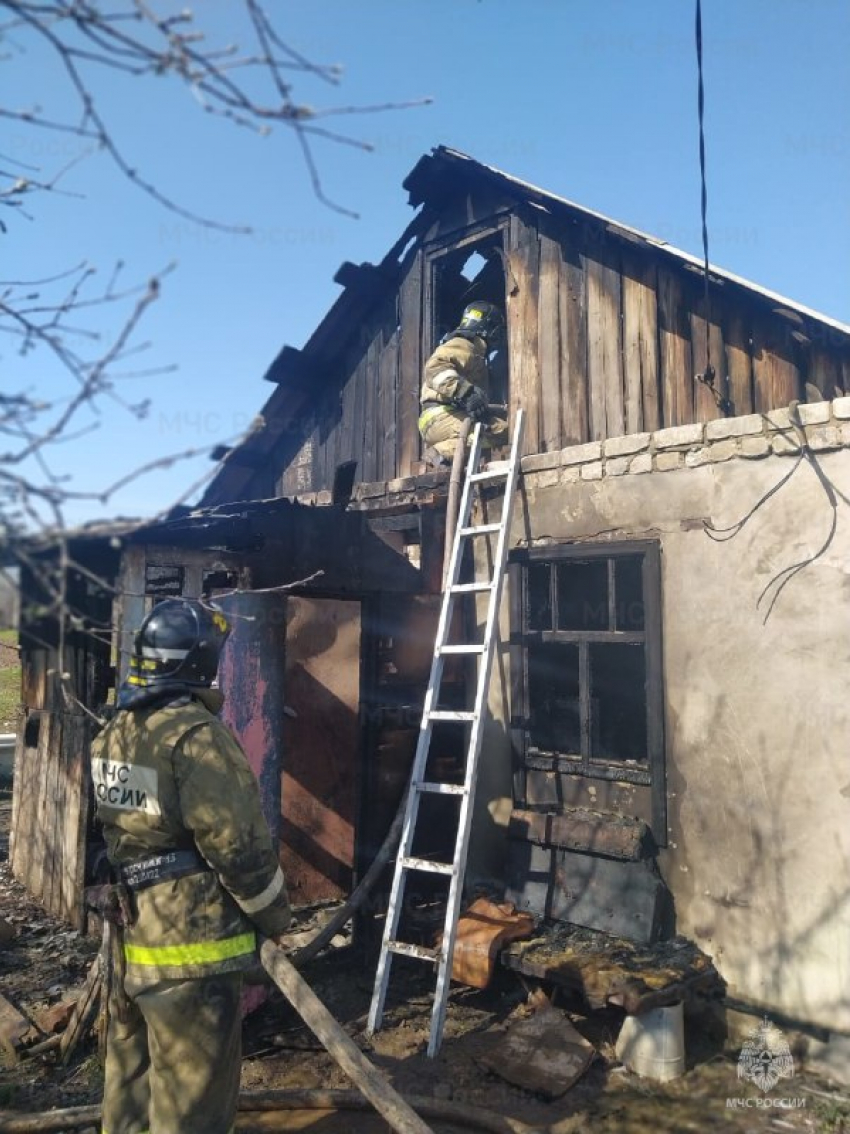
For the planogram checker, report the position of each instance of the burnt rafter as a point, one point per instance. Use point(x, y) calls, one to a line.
point(290, 368)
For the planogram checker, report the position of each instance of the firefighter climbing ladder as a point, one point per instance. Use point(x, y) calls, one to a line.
point(441, 956)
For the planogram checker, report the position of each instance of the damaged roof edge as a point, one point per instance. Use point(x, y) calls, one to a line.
point(420, 181)
point(291, 369)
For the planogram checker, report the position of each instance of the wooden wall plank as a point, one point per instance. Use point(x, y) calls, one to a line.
point(74, 782)
point(389, 404)
point(640, 345)
point(358, 381)
point(776, 377)
point(52, 811)
point(333, 438)
point(26, 798)
point(323, 447)
point(739, 361)
point(824, 371)
point(379, 419)
point(409, 366)
point(674, 350)
point(551, 351)
point(705, 405)
point(523, 258)
point(604, 350)
point(369, 423)
point(39, 821)
point(573, 302)
point(298, 477)
point(346, 450)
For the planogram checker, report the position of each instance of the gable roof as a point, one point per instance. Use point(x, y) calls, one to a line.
point(443, 163)
point(435, 179)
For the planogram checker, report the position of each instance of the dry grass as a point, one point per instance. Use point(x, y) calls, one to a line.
point(10, 680)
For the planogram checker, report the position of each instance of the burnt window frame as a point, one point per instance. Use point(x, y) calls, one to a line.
point(437, 250)
point(653, 773)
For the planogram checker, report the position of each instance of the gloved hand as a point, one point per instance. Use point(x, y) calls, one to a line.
point(473, 402)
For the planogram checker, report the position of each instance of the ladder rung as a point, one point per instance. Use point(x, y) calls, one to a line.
point(451, 715)
point(479, 529)
point(493, 471)
point(419, 952)
point(428, 866)
point(461, 588)
point(466, 648)
point(441, 789)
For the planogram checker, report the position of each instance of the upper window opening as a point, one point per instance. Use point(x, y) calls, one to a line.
point(473, 267)
point(459, 276)
point(463, 275)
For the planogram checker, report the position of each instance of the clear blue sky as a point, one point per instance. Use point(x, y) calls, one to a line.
point(592, 99)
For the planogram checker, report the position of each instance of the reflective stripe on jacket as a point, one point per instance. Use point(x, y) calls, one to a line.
point(454, 363)
point(430, 415)
point(173, 777)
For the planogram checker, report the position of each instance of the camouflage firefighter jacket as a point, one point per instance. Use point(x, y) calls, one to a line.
point(456, 364)
point(176, 797)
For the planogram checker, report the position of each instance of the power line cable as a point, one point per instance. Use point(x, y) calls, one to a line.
point(708, 374)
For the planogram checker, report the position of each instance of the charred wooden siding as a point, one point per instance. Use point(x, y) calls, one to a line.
point(607, 331)
point(50, 811)
point(607, 339)
point(364, 408)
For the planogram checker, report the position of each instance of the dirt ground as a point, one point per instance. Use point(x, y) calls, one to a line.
point(45, 963)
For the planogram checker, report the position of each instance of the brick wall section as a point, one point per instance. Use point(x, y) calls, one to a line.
point(823, 426)
point(826, 426)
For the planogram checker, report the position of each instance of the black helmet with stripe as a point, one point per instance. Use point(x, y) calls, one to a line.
point(484, 319)
point(179, 642)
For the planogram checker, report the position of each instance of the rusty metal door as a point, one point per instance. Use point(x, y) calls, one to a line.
point(319, 776)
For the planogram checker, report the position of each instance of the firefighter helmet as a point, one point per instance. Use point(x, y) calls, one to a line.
point(179, 642)
point(484, 319)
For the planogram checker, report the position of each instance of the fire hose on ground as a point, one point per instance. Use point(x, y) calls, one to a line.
point(267, 1110)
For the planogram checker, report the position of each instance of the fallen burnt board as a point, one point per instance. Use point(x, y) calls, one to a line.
point(610, 970)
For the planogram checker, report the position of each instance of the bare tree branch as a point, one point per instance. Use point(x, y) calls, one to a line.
point(87, 333)
point(134, 40)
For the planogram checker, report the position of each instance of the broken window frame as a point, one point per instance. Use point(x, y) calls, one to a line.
point(650, 773)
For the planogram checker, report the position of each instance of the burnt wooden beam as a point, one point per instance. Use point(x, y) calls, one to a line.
point(366, 275)
point(245, 456)
point(290, 367)
point(614, 836)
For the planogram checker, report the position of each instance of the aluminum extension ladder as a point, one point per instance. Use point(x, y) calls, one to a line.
point(442, 955)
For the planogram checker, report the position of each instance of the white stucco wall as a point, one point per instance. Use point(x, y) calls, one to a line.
point(757, 714)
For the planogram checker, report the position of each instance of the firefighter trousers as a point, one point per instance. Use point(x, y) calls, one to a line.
point(442, 430)
point(173, 1059)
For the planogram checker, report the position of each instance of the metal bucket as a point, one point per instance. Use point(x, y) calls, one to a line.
point(653, 1044)
point(7, 754)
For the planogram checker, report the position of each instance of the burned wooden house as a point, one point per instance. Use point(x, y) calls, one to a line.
point(666, 740)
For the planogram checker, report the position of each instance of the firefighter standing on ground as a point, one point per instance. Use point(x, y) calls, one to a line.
point(186, 834)
point(457, 382)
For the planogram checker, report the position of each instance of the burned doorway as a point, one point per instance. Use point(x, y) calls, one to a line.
point(319, 773)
